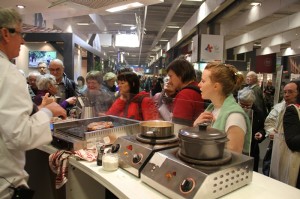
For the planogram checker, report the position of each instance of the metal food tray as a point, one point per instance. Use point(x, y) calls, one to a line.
point(78, 129)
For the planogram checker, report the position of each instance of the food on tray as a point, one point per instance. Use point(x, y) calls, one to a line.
point(99, 125)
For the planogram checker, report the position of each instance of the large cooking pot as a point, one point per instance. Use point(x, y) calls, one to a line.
point(202, 142)
point(157, 129)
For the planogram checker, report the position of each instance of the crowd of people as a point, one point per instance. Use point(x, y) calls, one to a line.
point(178, 97)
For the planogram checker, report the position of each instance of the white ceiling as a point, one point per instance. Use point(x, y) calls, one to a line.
point(235, 18)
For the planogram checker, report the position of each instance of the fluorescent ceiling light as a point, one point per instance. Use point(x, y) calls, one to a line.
point(83, 24)
point(125, 7)
point(255, 4)
point(173, 27)
point(163, 40)
point(193, 0)
point(128, 25)
point(20, 6)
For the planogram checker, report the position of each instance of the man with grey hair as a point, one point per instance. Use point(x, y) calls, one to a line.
point(252, 81)
point(246, 99)
point(31, 79)
point(42, 68)
point(23, 127)
point(66, 86)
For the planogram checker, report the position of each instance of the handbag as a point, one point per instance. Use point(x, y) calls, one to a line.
point(267, 159)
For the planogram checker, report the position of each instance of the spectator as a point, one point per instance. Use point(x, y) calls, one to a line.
point(246, 99)
point(42, 68)
point(252, 82)
point(164, 100)
point(98, 97)
point(217, 84)
point(269, 92)
point(132, 103)
point(32, 76)
point(23, 127)
point(285, 161)
point(47, 84)
point(66, 87)
point(188, 103)
point(109, 80)
point(274, 121)
point(81, 86)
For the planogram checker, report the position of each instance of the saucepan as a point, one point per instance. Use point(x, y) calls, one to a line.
point(157, 129)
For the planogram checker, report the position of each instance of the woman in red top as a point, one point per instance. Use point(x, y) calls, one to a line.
point(188, 103)
point(133, 104)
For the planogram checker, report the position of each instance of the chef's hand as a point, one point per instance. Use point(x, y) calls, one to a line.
point(258, 136)
point(204, 117)
point(271, 135)
point(46, 100)
point(56, 110)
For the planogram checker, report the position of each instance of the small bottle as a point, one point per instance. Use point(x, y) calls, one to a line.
point(100, 155)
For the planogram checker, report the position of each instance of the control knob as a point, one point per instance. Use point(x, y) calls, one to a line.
point(187, 185)
point(137, 158)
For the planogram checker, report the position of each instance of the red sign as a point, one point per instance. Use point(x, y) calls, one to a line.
point(265, 63)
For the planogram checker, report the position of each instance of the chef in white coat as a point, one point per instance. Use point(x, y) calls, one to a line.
point(23, 126)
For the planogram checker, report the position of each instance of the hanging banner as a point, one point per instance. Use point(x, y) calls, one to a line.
point(211, 48)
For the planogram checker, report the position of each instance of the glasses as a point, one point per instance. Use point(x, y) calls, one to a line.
point(13, 30)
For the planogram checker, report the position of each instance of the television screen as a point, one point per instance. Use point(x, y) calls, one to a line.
point(40, 56)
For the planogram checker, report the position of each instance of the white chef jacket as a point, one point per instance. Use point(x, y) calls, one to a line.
point(18, 130)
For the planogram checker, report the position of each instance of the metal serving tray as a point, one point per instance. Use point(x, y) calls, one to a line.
point(76, 131)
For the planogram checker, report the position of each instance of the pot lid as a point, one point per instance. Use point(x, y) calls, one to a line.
point(201, 132)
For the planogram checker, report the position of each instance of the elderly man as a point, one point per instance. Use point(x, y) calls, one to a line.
point(273, 121)
point(252, 81)
point(22, 126)
point(42, 68)
point(33, 89)
point(66, 87)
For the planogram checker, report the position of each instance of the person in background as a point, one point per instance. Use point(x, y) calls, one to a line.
point(252, 82)
point(97, 96)
point(273, 121)
point(246, 99)
point(66, 86)
point(217, 84)
point(23, 125)
point(81, 86)
point(285, 160)
point(42, 68)
point(109, 80)
point(157, 85)
point(188, 103)
point(47, 84)
point(133, 104)
point(31, 79)
point(164, 100)
point(269, 92)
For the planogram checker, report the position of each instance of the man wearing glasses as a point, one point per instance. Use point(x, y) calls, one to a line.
point(23, 127)
point(66, 87)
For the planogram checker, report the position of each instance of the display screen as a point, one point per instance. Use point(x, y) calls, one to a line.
point(36, 57)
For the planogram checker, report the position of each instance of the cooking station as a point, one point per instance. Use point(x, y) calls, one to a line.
point(181, 177)
point(74, 135)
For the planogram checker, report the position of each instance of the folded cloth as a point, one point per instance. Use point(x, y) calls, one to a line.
point(58, 163)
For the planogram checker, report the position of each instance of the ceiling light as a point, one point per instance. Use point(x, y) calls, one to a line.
point(255, 4)
point(83, 24)
point(163, 40)
point(193, 0)
point(20, 6)
point(131, 25)
point(124, 7)
point(173, 27)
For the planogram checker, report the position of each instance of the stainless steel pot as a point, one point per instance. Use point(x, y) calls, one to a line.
point(202, 142)
point(157, 129)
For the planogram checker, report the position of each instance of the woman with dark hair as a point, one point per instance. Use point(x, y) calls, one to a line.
point(224, 113)
point(132, 103)
point(188, 103)
point(81, 86)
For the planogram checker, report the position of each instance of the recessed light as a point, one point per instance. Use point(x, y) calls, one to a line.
point(20, 6)
point(173, 27)
point(83, 24)
point(255, 4)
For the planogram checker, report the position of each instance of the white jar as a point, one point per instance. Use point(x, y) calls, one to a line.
point(110, 161)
